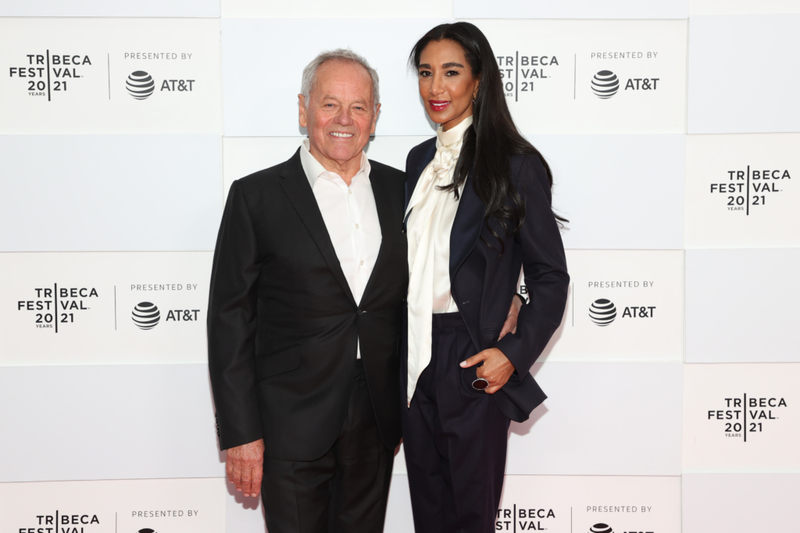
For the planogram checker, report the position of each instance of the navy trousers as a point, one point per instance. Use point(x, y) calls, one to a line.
point(455, 440)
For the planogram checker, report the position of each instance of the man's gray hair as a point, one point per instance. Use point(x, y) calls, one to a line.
point(340, 54)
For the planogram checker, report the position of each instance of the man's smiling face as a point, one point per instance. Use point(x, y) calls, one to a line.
point(340, 116)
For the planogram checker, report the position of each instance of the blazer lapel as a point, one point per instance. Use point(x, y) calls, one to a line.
point(415, 172)
point(384, 206)
point(466, 227)
point(469, 215)
point(298, 191)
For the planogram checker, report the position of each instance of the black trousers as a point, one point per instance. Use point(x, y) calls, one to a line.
point(455, 440)
point(345, 490)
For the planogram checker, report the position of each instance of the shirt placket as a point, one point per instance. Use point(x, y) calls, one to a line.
point(357, 234)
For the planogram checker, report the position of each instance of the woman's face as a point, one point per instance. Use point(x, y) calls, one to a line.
point(446, 83)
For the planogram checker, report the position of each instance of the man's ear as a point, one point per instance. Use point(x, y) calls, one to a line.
point(375, 120)
point(301, 102)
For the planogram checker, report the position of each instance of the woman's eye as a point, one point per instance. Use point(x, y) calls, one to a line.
point(452, 73)
point(424, 73)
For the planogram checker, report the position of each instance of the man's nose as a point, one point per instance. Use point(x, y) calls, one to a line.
point(344, 117)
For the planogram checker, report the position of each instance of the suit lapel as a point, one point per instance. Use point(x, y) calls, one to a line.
point(298, 191)
point(383, 204)
point(469, 215)
point(416, 169)
point(466, 227)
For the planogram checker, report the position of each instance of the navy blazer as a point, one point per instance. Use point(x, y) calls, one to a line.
point(483, 282)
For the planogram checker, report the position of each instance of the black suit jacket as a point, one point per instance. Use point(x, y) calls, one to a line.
point(283, 324)
point(483, 282)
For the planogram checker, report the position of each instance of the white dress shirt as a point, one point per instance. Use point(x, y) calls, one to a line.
point(351, 219)
point(431, 213)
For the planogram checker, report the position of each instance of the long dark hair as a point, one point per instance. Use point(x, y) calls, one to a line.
point(493, 138)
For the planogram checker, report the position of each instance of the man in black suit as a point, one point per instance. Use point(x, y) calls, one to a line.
point(307, 289)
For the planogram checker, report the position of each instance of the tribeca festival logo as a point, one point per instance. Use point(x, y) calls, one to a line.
point(54, 307)
point(60, 522)
point(748, 188)
point(523, 519)
point(519, 72)
point(50, 73)
point(740, 417)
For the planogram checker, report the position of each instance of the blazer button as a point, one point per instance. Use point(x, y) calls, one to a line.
point(361, 311)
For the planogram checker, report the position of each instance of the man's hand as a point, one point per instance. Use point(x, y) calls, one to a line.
point(245, 466)
point(496, 369)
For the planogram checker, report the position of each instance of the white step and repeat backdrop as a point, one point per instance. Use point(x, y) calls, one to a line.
point(122, 124)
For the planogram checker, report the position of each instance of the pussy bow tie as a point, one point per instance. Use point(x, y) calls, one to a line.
point(445, 158)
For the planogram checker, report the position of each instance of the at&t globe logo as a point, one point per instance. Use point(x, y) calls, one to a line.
point(605, 84)
point(146, 315)
point(602, 312)
point(601, 528)
point(140, 85)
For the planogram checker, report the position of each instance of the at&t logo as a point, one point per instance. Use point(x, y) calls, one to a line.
point(603, 312)
point(141, 85)
point(146, 315)
point(606, 84)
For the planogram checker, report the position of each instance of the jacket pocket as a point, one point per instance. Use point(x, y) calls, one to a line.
point(489, 337)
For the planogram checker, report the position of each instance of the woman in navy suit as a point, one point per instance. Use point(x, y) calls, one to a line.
point(478, 211)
